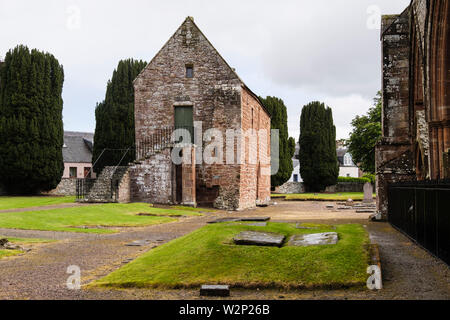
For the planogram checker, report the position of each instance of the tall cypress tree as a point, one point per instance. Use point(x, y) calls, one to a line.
point(31, 127)
point(319, 166)
point(278, 112)
point(114, 131)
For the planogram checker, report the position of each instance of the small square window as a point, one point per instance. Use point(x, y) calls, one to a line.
point(73, 172)
point(189, 71)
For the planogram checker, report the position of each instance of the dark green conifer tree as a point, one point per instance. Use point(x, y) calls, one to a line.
point(114, 131)
point(319, 166)
point(278, 111)
point(31, 127)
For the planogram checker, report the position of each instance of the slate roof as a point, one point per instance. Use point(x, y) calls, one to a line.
point(78, 147)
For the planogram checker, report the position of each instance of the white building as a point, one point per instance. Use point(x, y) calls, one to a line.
point(346, 166)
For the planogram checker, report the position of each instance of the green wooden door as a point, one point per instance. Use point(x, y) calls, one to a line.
point(184, 120)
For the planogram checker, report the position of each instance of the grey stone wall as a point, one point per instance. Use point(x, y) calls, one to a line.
point(299, 187)
point(151, 181)
point(291, 187)
point(393, 156)
point(347, 187)
point(67, 187)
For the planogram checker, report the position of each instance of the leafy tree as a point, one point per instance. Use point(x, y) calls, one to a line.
point(365, 135)
point(31, 127)
point(319, 166)
point(278, 111)
point(114, 116)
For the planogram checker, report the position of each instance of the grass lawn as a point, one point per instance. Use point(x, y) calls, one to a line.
point(21, 241)
point(342, 196)
point(9, 253)
point(8, 203)
point(208, 256)
point(105, 215)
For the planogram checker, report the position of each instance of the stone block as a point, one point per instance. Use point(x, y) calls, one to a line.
point(255, 219)
point(215, 291)
point(259, 239)
point(314, 239)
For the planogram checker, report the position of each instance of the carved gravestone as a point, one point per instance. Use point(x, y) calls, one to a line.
point(368, 193)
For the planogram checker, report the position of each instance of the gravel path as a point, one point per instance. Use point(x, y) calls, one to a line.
point(41, 273)
point(409, 272)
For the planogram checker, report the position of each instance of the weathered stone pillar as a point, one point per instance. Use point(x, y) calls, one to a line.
point(446, 163)
point(188, 176)
point(393, 156)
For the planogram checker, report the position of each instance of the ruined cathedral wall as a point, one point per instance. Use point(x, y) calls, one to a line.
point(394, 153)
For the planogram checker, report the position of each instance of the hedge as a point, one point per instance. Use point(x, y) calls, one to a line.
point(356, 180)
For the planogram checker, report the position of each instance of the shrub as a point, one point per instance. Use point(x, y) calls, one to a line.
point(356, 180)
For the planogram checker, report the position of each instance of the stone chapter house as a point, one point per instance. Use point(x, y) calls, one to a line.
point(186, 84)
point(415, 141)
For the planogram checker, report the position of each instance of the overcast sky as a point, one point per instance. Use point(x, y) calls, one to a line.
point(300, 51)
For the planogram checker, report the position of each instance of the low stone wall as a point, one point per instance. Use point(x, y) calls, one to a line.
point(299, 187)
point(346, 187)
point(151, 181)
point(291, 187)
point(67, 187)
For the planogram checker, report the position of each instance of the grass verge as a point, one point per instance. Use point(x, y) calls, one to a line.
point(343, 196)
point(92, 219)
point(10, 203)
point(9, 253)
point(208, 256)
point(21, 241)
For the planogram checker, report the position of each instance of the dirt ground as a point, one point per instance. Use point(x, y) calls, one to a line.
point(409, 272)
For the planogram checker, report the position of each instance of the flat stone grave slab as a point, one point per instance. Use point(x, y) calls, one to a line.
point(235, 219)
point(251, 224)
point(215, 291)
point(345, 208)
point(255, 238)
point(138, 243)
point(220, 220)
point(315, 239)
point(261, 219)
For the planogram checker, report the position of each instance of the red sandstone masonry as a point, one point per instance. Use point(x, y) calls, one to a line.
point(215, 94)
point(254, 117)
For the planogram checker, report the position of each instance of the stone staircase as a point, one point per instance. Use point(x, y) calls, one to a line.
point(102, 190)
point(365, 207)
